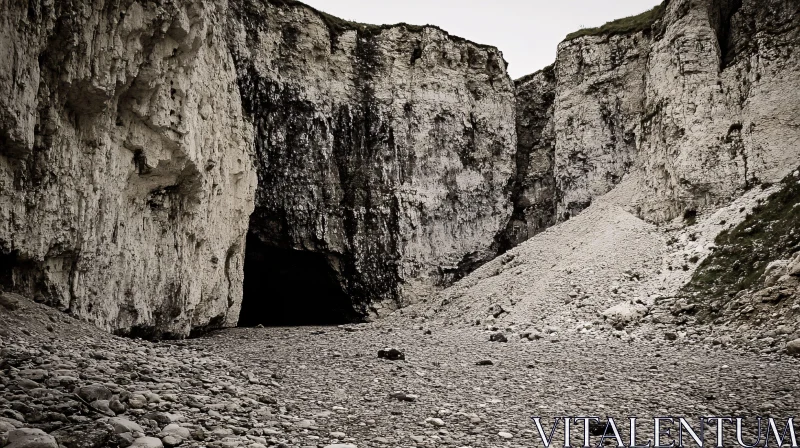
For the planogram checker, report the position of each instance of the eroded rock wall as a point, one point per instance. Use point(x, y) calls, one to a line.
point(722, 103)
point(690, 110)
point(125, 177)
point(598, 106)
point(534, 187)
point(389, 150)
point(129, 132)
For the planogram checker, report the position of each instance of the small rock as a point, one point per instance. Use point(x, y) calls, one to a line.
point(173, 429)
point(670, 336)
point(170, 441)
point(392, 354)
point(123, 425)
point(124, 440)
point(117, 406)
point(498, 337)
point(505, 435)
point(137, 401)
point(484, 362)
point(793, 347)
point(94, 392)
point(435, 421)
point(9, 300)
point(402, 396)
point(147, 442)
point(103, 406)
point(30, 438)
point(96, 434)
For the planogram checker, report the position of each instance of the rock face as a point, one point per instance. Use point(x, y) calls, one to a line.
point(387, 151)
point(129, 132)
point(533, 191)
point(690, 110)
point(125, 179)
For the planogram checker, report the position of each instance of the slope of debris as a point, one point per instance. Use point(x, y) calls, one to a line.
point(607, 272)
point(751, 281)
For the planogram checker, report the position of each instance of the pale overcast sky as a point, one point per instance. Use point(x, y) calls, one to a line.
point(527, 32)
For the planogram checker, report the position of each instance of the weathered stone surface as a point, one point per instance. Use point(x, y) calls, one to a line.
point(689, 112)
point(125, 179)
point(30, 438)
point(386, 149)
point(722, 103)
point(533, 190)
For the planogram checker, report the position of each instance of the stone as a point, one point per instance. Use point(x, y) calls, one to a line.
point(103, 406)
point(124, 440)
point(505, 435)
point(624, 313)
point(498, 337)
point(37, 375)
point(175, 429)
point(170, 441)
point(87, 435)
point(9, 301)
point(793, 347)
point(484, 362)
point(435, 421)
point(30, 438)
point(123, 425)
point(392, 354)
point(147, 442)
point(137, 401)
point(402, 396)
point(117, 406)
point(94, 392)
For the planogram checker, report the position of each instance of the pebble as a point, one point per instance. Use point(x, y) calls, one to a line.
point(200, 392)
point(30, 438)
point(147, 442)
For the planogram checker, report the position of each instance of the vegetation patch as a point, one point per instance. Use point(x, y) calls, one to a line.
point(771, 232)
point(632, 24)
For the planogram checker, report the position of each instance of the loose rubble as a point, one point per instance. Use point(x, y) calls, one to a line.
point(280, 387)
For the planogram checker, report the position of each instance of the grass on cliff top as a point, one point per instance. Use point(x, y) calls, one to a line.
point(771, 232)
point(625, 25)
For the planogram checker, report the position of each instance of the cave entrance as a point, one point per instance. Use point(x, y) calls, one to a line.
point(284, 287)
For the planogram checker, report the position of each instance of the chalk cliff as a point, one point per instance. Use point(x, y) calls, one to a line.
point(690, 104)
point(386, 149)
point(133, 135)
point(125, 177)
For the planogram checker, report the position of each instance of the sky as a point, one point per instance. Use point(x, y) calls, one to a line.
point(527, 32)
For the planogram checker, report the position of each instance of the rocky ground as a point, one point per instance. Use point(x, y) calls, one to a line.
point(64, 383)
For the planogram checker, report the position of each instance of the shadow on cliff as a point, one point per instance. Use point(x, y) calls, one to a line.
point(284, 287)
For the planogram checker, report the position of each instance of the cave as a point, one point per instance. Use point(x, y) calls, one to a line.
point(286, 287)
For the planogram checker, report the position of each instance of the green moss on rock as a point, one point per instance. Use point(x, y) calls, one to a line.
point(771, 232)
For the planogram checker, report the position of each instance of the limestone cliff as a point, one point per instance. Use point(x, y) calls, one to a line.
point(533, 188)
point(690, 104)
point(133, 134)
point(125, 179)
point(386, 149)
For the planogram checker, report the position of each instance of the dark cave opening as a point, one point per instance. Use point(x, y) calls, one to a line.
point(284, 287)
